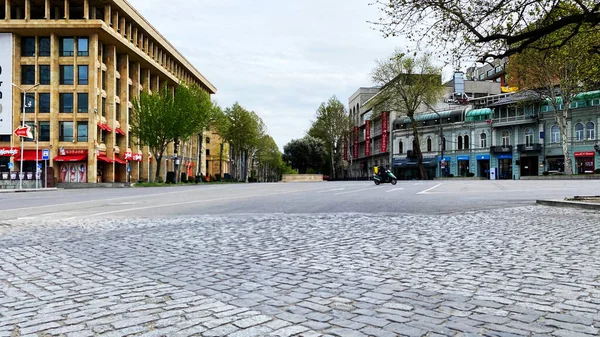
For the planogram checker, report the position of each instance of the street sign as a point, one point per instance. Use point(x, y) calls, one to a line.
point(45, 154)
point(10, 166)
point(128, 168)
point(39, 166)
point(23, 131)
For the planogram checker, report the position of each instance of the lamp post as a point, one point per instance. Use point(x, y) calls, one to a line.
point(23, 125)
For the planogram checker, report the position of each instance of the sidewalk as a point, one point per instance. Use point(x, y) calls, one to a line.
point(16, 190)
point(583, 202)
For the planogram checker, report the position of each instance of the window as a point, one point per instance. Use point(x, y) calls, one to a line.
point(529, 137)
point(82, 102)
point(428, 144)
point(590, 133)
point(443, 143)
point(44, 103)
point(66, 75)
point(65, 130)
point(29, 103)
point(44, 46)
point(483, 140)
point(505, 138)
point(207, 152)
point(44, 74)
point(117, 111)
point(82, 75)
point(400, 147)
point(44, 132)
point(27, 74)
point(67, 46)
point(104, 80)
point(466, 142)
point(65, 103)
point(28, 46)
point(460, 142)
point(579, 132)
point(207, 140)
point(103, 112)
point(82, 131)
point(555, 134)
point(118, 87)
point(82, 47)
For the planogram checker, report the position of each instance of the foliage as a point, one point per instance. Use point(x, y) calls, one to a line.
point(408, 84)
point(305, 153)
point(487, 29)
point(331, 126)
point(557, 75)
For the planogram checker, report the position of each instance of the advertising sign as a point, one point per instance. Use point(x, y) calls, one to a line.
point(346, 148)
point(367, 138)
point(384, 130)
point(355, 150)
point(6, 68)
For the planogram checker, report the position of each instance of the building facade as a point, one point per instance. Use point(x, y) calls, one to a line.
point(76, 67)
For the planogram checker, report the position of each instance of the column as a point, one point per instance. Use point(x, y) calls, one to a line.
point(94, 94)
point(121, 141)
point(109, 114)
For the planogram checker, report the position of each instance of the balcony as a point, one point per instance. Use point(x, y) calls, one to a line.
point(513, 120)
point(529, 148)
point(501, 149)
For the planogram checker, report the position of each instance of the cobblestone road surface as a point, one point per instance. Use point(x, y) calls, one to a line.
point(531, 271)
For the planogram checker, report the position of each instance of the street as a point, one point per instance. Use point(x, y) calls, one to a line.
point(433, 258)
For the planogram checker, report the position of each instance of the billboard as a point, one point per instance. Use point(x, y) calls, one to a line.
point(384, 131)
point(6, 70)
point(367, 138)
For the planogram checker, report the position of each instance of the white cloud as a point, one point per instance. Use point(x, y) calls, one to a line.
point(280, 59)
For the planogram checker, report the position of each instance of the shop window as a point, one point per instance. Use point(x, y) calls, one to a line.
point(44, 102)
point(44, 46)
point(65, 130)
point(4, 161)
point(27, 74)
point(44, 131)
point(82, 102)
point(29, 103)
point(66, 75)
point(579, 134)
point(5, 138)
point(529, 137)
point(83, 46)
point(555, 134)
point(590, 131)
point(483, 140)
point(82, 75)
point(466, 142)
point(505, 138)
point(67, 46)
point(66, 103)
point(82, 131)
point(460, 142)
point(44, 74)
point(28, 46)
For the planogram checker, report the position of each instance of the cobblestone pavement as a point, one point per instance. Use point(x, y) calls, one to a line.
point(529, 271)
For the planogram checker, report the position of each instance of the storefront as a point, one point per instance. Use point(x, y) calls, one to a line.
point(505, 168)
point(6, 153)
point(463, 165)
point(483, 165)
point(72, 165)
point(528, 166)
point(445, 166)
point(407, 169)
point(555, 164)
point(103, 162)
point(584, 162)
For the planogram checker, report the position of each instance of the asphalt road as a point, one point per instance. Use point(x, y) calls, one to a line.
point(412, 197)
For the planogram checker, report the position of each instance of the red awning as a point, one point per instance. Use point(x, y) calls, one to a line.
point(105, 159)
point(119, 131)
point(104, 127)
point(29, 155)
point(120, 161)
point(72, 157)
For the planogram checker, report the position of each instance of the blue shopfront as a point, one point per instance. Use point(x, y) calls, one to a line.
point(463, 165)
point(483, 165)
point(505, 166)
point(445, 164)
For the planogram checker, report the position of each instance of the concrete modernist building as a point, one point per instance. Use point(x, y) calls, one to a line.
point(85, 61)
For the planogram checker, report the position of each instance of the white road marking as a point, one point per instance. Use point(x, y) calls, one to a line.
point(353, 191)
point(333, 190)
point(429, 189)
point(395, 189)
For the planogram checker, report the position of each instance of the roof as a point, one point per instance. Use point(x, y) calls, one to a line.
point(521, 96)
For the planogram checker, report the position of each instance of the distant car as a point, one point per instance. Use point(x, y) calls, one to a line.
point(325, 177)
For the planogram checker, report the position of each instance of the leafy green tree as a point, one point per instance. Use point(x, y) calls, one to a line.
point(304, 154)
point(488, 29)
point(331, 126)
point(409, 84)
point(557, 75)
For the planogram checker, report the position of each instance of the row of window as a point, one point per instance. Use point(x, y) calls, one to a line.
point(66, 102)
point(65, 132)
point(66, 46)
point(67, 74)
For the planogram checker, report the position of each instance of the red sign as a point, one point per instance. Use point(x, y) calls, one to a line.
point(137, 157)
point(128, 155)
point(24, 131)
point(8, 151)
point(584, 154)
point(355, 152)
point(384, 130)
point(63, 151)
point(368, 138)
point(346, 148)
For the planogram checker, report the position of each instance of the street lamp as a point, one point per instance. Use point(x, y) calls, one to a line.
point(23, 125)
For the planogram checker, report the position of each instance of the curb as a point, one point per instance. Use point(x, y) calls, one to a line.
point(29, 190)
point(560, 203)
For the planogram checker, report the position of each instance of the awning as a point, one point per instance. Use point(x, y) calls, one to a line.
point(72, 157)
point(29, 155)
point(104, 127)
point(105, 159)
point(119, 131)
point(479, 112)
point(120, 161)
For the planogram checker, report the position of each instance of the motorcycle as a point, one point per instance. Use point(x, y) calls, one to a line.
point(385, 177)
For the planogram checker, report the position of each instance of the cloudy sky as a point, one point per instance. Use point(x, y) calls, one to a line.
point(278, 58)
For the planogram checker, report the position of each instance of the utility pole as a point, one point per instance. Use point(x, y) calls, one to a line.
point(25, 105)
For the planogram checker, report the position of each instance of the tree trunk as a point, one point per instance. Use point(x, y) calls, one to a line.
point(158, 162)
point(417, 149)
point(332, 166)
point(561, 119)
point(221, 161)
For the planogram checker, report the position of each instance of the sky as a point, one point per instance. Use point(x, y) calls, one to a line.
point(280, 59)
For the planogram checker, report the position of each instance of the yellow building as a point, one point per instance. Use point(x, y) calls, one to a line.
point(81, 63)
point(214, 162)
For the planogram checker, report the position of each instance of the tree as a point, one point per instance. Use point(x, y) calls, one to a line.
point(304, 153)
point(331, 126)
point(407, 85)
point(163, 117)
point(488, 29)
point(268, 160)
point(557, 75)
